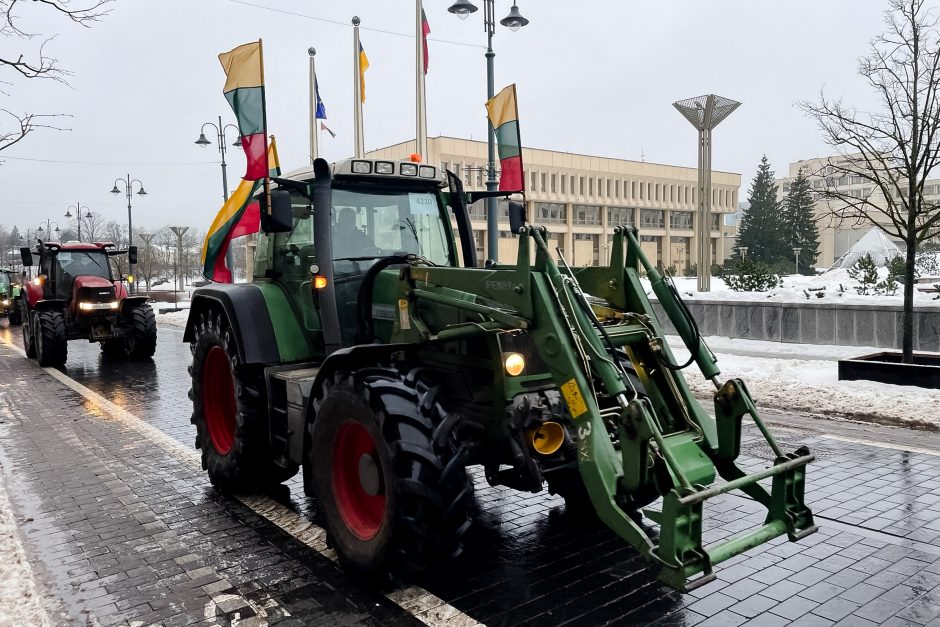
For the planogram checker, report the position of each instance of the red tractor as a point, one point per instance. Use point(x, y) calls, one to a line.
point(77, 296)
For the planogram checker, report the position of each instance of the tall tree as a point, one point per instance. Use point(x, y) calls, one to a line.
point(35, 63)
point(896, 147)
point(761, 228)
point(799, 222)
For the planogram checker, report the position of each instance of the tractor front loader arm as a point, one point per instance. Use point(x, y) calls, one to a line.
point(665, 423)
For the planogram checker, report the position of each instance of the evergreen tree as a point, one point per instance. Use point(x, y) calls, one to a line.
point(762, 229)
point(799, 222)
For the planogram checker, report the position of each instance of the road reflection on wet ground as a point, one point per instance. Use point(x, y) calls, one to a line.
point(531, 560)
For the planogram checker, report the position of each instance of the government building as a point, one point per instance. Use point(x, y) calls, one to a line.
point(579, 199)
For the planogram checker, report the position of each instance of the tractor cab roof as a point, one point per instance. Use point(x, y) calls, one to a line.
point(69, 246)
point(376, 170)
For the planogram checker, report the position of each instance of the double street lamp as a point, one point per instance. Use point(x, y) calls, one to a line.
point(78, 216)
point(128, 184)
point(514, 21)
point(220, 139)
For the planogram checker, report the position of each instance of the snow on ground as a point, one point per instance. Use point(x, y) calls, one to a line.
point(20, 604)
point(795, 288)
point(174, 318)
point(803, 378)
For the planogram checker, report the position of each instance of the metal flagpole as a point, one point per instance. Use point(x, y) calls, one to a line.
point(357, 92)
point(421, 123)
point(313, 104)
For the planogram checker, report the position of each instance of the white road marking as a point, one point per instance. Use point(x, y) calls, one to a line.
point(424, 606)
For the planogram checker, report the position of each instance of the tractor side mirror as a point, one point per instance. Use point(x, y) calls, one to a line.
point(280, 218)
point(132, 255)
point(27, 256)
point(517, 217)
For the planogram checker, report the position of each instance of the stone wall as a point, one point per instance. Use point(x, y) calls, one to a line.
point(813, 323)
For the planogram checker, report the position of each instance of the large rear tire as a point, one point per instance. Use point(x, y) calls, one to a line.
point(51, 341)
point(389, 472)
point(141, 341)
point(29, 337)
point(230, 411)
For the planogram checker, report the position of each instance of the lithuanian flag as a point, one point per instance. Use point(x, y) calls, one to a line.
point(504, 115)
point(244, 90)
point(240, 215)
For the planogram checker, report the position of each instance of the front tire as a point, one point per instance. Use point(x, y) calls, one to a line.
point(141, 341)
point(51, 341)
point(229, 411)
point(15, 317)
point(389, 473)
point(29, 336)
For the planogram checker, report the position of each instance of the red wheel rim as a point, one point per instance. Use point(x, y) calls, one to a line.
point(362, 512)
point(218, 400)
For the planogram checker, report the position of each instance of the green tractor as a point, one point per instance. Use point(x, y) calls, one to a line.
point(10, 297)
point(365, 355)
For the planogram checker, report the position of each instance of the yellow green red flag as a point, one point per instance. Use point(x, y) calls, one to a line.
point(504, 115)
point(240, 215)
point(244, 91)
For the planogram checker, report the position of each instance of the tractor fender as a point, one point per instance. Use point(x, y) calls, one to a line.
point(129, 302)
point(33, 293)
point(48, 305)
point(351, 358)
point(247, 313)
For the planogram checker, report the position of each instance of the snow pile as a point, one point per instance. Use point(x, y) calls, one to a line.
point(803, 378)
point(19, 602)
point(835, 286)
point(174, 318)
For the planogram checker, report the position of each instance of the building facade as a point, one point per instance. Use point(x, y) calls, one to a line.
point(837, 235)
point(579, 199)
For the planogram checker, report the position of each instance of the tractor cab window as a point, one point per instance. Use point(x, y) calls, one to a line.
point(70, 264)
point(293, 252)
point(380, 224)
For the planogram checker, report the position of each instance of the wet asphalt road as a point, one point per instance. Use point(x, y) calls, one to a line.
point(874, 561)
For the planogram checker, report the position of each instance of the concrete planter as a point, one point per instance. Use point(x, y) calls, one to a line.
point(886, 367)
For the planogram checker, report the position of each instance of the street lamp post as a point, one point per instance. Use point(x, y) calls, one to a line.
point(220, 139)
point(179, 231)
point(147, 237)
point(49, 224)
point(742, 250)
point(796, 255)
point(514, 21)
point(78, 216)
point(129, 191)
point(705, 113)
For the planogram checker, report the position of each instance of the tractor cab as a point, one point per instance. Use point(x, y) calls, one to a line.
point(380, 215)
point(81, 275)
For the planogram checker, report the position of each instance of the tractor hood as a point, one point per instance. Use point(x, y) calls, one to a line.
point(90, 288)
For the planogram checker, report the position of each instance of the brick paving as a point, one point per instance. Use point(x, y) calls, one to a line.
point(875, 560)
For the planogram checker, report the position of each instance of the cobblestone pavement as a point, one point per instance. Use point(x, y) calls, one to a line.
point(123, 530)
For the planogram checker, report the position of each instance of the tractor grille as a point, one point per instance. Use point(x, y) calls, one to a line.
point(523, 344)
point(96, 294)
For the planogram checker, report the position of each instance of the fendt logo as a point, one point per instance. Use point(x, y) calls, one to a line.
point(498, 286)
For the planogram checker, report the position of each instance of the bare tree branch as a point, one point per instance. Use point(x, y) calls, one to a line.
point(24, 125)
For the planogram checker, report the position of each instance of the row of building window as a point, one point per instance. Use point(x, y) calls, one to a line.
point(474, 175)
point(591, 215)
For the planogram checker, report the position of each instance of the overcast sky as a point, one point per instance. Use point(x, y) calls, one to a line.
point(593, 77)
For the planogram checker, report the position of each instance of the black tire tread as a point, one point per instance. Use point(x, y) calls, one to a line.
point(143, 331)
point(248, 466)
point(52, 348)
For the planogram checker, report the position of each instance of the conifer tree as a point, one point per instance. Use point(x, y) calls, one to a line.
point(799, 223)
point(761, 229)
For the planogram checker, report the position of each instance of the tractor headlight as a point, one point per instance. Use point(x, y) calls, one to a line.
point(409, 169)
point(514, 364)
point(384, 167)
point(6, 301)
point(362, 167)
point(87, 306)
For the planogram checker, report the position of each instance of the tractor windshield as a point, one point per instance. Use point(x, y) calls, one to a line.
point(4, 283)
point(379, 224)
point(73, 263)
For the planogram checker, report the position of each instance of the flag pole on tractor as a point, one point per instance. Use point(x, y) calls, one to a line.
point(503, 112)
point(315, 104)
point(421, 68)
point(360, 65)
